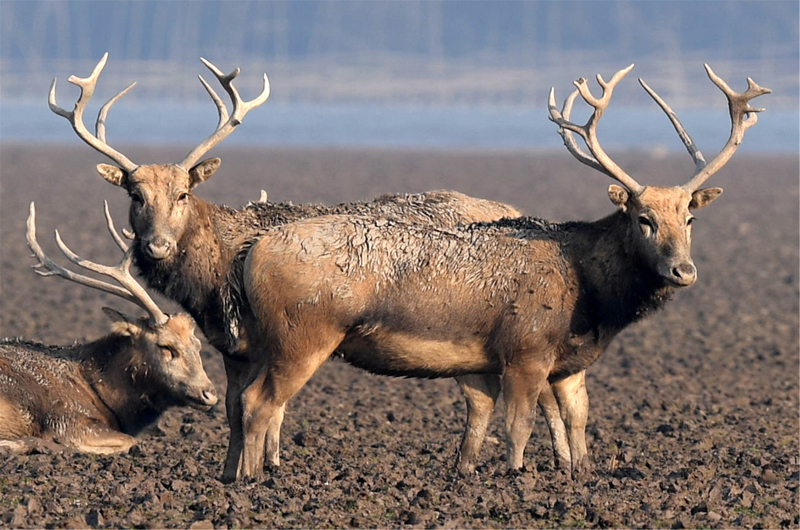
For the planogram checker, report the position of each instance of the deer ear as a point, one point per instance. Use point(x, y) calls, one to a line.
point(703, 197)
point(619, 196)
point(115, 175)
point(121, 323)
point(203, 170)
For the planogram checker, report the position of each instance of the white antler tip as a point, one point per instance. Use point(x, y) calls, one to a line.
point(216, 71)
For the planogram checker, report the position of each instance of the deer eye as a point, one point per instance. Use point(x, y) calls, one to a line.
point(169, 352)
point(182, 197)
point(646, 225)
point(137, 198)
point(689, 221)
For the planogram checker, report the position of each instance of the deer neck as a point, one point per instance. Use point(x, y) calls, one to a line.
point(194, 276)
point(617, 288)
point(109, 365)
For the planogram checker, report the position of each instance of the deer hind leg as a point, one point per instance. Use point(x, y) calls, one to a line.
point(235, 373)
point(522, 385)
point(573, 401)
point(264, 402)
point(481, 391)
point(558, 432)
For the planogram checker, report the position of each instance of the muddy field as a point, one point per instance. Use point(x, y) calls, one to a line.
point(694, 412)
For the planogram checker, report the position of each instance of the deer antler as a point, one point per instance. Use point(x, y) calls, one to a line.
point(131, 290)
point(598, 160)
point(743, 116)
point(75, 117)
point(226, 124)
point(123, 246)
point(694, 151)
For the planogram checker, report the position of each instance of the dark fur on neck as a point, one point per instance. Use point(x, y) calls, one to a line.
point(618, 286)
point(121, 380)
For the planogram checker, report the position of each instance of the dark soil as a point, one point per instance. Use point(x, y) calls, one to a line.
point(694, 412)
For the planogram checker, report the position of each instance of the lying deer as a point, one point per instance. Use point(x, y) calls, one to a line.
point(192, 250)
point(97, 396)
point(529, 301)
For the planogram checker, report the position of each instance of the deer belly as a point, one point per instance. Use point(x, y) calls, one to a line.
point(404, 354)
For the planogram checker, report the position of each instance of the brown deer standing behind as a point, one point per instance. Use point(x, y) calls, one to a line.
point(192, 250)
point(97, 396)
point(527, 300)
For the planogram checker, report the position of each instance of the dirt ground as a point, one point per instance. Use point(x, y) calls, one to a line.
point(694, 412)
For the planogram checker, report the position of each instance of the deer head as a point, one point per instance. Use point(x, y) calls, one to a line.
point(162, 348)
point(165, 361)
point(162, 200)
point(659, 218)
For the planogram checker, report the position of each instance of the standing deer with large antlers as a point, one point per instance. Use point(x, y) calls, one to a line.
point(97, 396)
point(527, 300)
point(191, 250)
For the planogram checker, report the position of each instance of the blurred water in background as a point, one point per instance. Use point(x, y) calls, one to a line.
point(411, 74)
point(360, 125)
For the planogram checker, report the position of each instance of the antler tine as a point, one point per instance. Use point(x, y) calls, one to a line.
point(569, 140)
point(743, 116)
point(240, 109)
point(75, 117)
point(221, 110)
point(112, 229)
point(601, 162)
point(130, 290)
point(694, 151)
point(100, 124)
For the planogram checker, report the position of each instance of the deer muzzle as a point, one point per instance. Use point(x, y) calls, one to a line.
point(682, 274)
point(204, 399)
point(158, 248)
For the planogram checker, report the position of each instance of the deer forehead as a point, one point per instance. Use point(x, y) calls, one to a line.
point(161, 178)
point(667, 202)
point(180, 329)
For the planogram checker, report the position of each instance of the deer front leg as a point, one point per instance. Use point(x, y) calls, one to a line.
point(558, 432)
point(27, 445)
point(522, 385)
point(264, 401)
point(98, 439)
point(481, 391)
point(573, 401)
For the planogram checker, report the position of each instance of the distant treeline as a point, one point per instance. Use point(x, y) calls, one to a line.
point(410, 50)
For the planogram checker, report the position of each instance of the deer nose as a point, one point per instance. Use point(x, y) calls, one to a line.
point(684, 274)
point(209, 397)
point(158, 248)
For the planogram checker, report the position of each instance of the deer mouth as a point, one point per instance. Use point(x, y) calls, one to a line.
point(681, 275)
point(157, 250)
point(204, 400)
